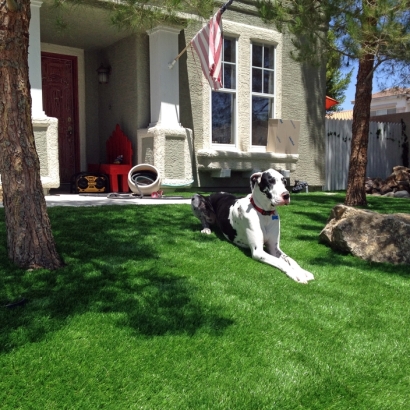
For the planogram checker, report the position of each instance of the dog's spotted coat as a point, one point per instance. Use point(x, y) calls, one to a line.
point(252, 221)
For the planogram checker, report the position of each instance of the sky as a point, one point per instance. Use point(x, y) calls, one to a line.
point(350, 92)
point(347, 105)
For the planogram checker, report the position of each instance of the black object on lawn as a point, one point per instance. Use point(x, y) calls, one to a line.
point(299, 185)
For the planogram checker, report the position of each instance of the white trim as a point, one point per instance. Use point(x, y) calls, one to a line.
point(275, 114)
point(257, 148)
point(212, 159)
point(232, 25)
point(34, 61)
point(161, 29)
point(234, 146)
point(261, 148)
point(79, 53)
point(164, 83)
point(244, 34)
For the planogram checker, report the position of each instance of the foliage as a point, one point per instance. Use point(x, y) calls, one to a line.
point(149, 313)
point(376, 33)
point(350, 24)
point(336, 82)
point(144, 14)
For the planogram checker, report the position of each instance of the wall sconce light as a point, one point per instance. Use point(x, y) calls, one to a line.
point(103, 74)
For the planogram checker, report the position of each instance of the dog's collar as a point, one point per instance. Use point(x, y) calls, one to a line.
point(260, 210)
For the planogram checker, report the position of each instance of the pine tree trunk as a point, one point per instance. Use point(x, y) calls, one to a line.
point(356, 194)
point(29, 238)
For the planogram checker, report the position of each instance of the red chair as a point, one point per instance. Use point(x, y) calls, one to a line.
point(118, 144)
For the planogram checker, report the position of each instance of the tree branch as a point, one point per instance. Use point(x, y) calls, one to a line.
point(11, 5)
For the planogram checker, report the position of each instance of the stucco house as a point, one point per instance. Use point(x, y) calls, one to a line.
point(390, 101)
point(191, 134)
point(386, 102)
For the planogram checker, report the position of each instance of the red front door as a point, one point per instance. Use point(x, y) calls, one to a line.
point(59, 73)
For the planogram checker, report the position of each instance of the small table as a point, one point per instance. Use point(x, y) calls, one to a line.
point(117, 173)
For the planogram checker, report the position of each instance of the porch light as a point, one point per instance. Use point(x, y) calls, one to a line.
point(103, 74)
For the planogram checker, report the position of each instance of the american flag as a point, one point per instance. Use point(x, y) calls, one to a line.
point(208, 44)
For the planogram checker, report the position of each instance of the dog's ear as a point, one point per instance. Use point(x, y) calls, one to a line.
point(255, 178)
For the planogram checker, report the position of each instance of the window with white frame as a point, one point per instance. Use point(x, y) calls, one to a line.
point(263, 91)
point(224, 100)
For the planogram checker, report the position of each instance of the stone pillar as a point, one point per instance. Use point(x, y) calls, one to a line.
point(34, 60)
point(164, 83)
point(45, 129)
point(166, 144)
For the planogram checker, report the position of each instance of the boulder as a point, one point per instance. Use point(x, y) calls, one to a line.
point(372, 185)
point(398, 180)
point(369, 235)
point(401, 194)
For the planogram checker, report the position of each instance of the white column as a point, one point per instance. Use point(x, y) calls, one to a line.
point(164, 82)
point(34, 60)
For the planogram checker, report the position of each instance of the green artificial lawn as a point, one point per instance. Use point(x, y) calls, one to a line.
point(149, 313)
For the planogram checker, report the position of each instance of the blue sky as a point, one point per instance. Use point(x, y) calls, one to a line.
point(347, 105)
point(350, 92)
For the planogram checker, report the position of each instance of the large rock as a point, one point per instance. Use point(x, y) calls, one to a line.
point(368, 235)
point(398, 180)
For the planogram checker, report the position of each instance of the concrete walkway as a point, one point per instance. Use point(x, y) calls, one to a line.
point(101, 199)
point(91, 200)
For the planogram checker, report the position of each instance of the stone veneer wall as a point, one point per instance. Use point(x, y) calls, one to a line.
point(46, 138)
point(170, 151)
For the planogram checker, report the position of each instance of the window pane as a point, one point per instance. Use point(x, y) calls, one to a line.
point(256, 55)
point(229, 50)
point(268, 57)
point(261, 112)
point(268, 82)
point(256, 80)
point(222, 117)
point(229, 76)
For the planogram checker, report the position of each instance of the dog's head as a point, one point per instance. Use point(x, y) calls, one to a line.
point(269, 188)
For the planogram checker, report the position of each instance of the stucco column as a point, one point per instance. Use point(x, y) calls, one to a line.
point(164, 82)
point(34, 60)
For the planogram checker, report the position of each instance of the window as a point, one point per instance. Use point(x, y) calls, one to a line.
point(224, 100)
point(384, 111)
point(263, 91)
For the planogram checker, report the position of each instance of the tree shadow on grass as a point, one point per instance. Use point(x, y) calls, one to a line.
point(117, 262)
point(329, 259)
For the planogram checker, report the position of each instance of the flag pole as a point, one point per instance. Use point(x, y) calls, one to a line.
point(172, 63)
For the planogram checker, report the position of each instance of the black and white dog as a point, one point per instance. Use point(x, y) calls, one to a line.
point(252, 221)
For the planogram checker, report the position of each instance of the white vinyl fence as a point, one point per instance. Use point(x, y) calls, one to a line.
point(383, 153)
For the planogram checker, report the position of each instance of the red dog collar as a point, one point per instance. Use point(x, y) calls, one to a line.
point(260, 210)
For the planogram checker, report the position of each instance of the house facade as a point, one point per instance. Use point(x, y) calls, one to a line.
point(191, 134)
point(388, 102)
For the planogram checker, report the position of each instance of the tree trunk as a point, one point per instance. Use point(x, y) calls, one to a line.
point(29, 238)
point(356, 194)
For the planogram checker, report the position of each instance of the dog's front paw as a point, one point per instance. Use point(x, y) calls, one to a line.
point(206, 230)
point(309, 276)
point(301, 276)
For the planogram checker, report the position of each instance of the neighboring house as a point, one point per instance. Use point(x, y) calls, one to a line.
point(390, 101)
point(175, 122)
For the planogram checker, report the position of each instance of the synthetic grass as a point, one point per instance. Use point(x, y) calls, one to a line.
point(151, 314)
